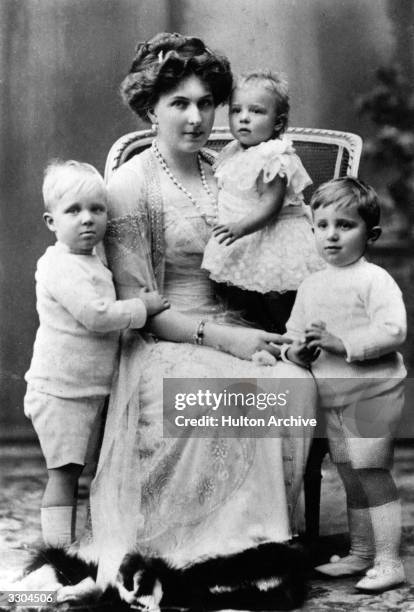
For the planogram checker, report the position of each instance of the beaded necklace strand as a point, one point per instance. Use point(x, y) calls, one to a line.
point(181, 187)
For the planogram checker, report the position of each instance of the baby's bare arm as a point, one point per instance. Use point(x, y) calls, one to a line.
point(271, 201)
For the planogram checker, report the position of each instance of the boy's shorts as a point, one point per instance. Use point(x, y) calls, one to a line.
point(69, 430)
point(362, 433)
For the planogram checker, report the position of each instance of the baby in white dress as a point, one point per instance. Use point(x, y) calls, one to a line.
point(263, 242)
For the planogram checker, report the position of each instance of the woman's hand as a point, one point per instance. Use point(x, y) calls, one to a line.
point(242, 342)
point(229, 233)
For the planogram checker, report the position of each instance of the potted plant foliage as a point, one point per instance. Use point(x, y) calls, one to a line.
point(390, 105)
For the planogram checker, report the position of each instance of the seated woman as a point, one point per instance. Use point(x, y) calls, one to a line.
point(189, 498)
point(196, 496)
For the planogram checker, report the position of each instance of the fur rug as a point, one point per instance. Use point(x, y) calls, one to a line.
point(270, 576)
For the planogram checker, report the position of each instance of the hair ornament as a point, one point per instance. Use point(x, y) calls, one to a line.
point(160, 63)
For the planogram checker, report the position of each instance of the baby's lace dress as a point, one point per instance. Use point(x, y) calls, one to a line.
point(282, 254)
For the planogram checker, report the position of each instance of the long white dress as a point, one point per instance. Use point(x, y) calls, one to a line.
point(188, 497)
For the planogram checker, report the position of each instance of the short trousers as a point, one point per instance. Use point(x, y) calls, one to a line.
point(362, 433)
point(69, 430)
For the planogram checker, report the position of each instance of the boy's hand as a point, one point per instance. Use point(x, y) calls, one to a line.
point(154, 302)
point(229, 233)
point(300, 353)
point(317, 336)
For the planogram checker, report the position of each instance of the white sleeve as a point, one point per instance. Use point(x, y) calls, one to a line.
point(388, 321)
point(296, 325)
point(72, 287)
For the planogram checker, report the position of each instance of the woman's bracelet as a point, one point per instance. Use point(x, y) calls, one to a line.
point(199, 335)
point(283, 353)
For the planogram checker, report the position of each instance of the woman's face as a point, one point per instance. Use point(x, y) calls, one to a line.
point(185, 116)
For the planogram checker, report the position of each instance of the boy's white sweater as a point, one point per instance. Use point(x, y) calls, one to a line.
point(76, 344)
point(363, 306)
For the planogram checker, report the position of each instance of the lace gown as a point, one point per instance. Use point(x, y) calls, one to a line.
point(189, 497)
point(281, 255)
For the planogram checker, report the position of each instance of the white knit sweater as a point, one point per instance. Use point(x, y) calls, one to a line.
point(363, 306)
point(76, 344)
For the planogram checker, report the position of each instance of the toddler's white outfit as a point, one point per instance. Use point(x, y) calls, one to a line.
point(362, 305)
point(75, 351)
point(279, 256)
point(362, 395)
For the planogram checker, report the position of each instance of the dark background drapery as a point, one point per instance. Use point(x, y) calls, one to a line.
point(61, 65)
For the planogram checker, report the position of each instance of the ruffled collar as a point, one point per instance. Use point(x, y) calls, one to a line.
point(243, 166)
point(262, 150)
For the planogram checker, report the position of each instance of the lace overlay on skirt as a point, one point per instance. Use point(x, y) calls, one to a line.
point(186, 498)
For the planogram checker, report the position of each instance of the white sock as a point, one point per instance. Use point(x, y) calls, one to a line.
point(58, 525)
point(386, 526)
point(360, 533)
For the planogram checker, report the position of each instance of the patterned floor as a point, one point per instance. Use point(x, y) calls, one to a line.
point(22, 475)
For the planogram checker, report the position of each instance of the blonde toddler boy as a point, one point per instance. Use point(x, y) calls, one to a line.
point(74, 353)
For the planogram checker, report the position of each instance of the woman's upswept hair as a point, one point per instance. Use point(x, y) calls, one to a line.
point(349, 191)
point(163, 61)
point(277, 84)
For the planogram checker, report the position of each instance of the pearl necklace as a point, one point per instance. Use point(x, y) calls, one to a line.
point(181, 187)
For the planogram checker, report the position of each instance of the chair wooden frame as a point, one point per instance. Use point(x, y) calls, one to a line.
point(326, 154)
point(347, 146)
